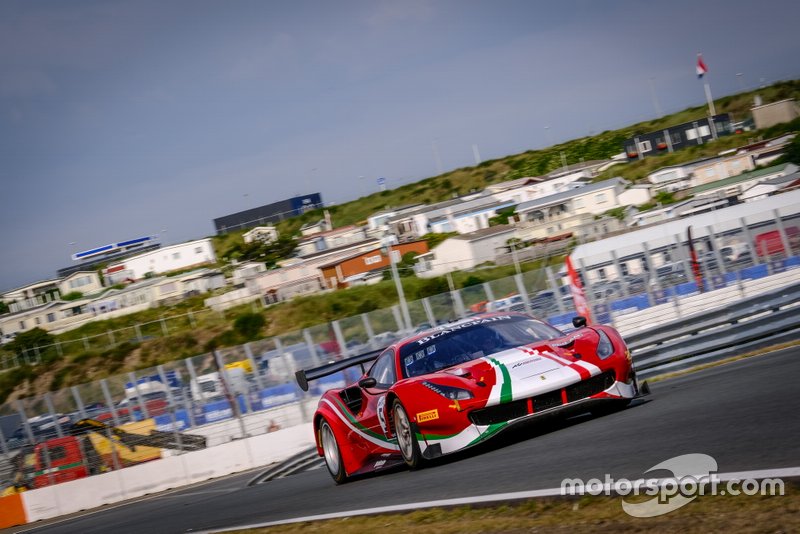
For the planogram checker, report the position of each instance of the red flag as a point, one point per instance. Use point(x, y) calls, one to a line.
point(578, 297)
point(701, 66)
point(698, 274)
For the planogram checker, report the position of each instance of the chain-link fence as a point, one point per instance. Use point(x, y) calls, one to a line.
point(246, 390)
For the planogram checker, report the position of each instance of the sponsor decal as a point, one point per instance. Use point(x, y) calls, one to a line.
point(525, 362)
point(455, 328)
point(430, 415)
point(381, 413)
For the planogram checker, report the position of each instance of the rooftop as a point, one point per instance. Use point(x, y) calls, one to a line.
point(571, 193)
point(732, 180)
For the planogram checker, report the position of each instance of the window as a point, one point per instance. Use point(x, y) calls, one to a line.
point(38, 321)
point(623, 267)
point(704, 131)
point(198, 250)
point(22, 325)
point(600, 198)
point(167, 288)
point(383, 371)
point(691, 134)
point(578, 202)
point(645, 146)
point(176, 255)
point(601, 272)
point(676, 137)
point(369, 260)
point(51, 317)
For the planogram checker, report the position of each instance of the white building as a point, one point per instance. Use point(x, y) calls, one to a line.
point(163, 260)
point(771, 186)
point(735, 186)
point(665, 242)
point(84, 282)
point(596, 199)
point(247, 270)
point(464, 251)
point(41, 292)
point(331, 239)
point(264, 234)
point(59, 316)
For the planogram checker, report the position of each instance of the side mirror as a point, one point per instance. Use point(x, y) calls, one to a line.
point(579, 321)
point(367, 382)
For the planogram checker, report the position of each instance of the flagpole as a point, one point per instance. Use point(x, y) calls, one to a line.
point(712, 112)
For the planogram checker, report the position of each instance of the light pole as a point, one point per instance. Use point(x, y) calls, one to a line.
point(740, 78)
point(399, 286)
point(656, 103)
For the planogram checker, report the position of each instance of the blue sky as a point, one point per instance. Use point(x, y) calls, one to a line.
point(122, 119)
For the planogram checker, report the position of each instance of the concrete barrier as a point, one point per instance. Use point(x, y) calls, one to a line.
point(153, 477)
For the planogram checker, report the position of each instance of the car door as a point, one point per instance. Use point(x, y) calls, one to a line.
point(374, 412)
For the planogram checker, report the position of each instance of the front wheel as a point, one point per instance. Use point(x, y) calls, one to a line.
point(406, 437)
point(330, 450)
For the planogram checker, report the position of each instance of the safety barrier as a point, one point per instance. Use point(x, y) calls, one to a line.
point(167, 473)
point(760, 320)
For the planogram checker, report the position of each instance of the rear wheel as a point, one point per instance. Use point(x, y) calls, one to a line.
point(330, 450)
point(406, 436)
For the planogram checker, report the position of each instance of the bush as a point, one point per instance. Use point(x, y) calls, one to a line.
point(248, 326)
point(472, 281)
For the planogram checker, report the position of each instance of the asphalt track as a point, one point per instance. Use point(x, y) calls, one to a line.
point(744, 414)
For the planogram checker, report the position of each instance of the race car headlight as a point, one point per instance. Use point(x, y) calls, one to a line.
point(604, 346)
point(449, 392)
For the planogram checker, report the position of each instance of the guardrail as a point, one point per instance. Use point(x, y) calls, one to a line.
point(763, 320)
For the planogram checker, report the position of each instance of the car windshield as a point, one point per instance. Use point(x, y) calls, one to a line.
point(463, 342)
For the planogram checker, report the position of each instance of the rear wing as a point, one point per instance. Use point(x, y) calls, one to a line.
point(303, 376)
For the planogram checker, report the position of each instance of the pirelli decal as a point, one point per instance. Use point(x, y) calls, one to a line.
point(430, 415)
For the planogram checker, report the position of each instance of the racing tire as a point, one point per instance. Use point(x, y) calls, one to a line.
point(331, 453)
point(610, 407)
point(406, 434)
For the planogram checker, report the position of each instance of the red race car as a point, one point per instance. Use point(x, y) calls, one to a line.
point(453, 386)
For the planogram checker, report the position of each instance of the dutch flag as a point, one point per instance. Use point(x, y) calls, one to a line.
point(701, 66)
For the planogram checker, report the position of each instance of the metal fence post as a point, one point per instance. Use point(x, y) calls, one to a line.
point(523, 293)
point(556, 289)
point(109, 401)
point(48, 400)
point(256, 374)
point(76, 396)
point(337, 333)
point(368, 328)
point(426, 305)
point(310, 345)
point(139, 399)
point(138, 331)
point(489, 294)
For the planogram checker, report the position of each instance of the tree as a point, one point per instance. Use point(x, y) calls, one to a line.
point(248, 326)
point(792, 152)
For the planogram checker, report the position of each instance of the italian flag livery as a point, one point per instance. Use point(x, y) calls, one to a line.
point(457, 385)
